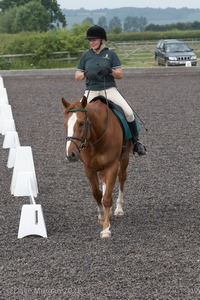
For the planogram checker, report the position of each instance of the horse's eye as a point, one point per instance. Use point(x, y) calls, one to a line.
point(81, 124)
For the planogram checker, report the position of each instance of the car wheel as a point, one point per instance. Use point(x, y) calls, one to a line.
point(156, 61)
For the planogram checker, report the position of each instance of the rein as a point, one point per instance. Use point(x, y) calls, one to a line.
point(106, 111)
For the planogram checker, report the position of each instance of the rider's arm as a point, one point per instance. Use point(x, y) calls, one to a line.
point(79, 75)
point(117, 73)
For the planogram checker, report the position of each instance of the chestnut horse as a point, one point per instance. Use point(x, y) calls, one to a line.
point(95, 136)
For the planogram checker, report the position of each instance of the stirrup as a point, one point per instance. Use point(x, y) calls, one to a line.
point(139, 148)
point(123, 149)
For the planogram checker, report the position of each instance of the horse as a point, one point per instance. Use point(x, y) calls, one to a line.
point(95, 137)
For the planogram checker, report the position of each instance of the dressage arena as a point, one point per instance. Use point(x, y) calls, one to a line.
point(154, 250)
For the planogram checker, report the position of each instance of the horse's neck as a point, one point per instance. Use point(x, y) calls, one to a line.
point(98, 119)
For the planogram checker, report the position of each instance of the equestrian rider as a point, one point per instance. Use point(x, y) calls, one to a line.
point(101, 66)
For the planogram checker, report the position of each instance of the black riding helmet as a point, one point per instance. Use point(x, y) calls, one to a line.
point(96, 32)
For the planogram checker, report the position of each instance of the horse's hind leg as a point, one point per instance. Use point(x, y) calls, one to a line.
point(122, 178)
point(119, 204)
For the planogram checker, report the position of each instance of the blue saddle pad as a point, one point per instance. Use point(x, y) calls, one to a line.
point(121, 117)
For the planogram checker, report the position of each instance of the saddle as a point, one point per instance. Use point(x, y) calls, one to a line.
point(118, 111)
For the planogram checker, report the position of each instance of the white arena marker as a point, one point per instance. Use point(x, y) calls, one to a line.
point(2, 107)
point(8, 125)
point(25, 186)
point(11, 158)
point(32, 221)
point(3, 96)
point(1, 82)
point(11, 140)
point(5, 113)
point(24, 163)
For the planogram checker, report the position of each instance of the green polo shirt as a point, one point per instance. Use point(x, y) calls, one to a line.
point(92, 62)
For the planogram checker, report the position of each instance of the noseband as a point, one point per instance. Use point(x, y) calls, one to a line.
point(84, 137)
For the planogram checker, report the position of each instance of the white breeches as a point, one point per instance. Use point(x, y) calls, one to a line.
point(114, 95)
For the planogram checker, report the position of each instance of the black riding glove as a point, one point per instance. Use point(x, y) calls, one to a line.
point(91, 75)
point(105, 71)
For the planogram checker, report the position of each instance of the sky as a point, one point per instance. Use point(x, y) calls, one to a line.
point(91, 4)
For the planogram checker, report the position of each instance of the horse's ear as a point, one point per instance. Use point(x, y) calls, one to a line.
point(84, 101)
point(65, 103)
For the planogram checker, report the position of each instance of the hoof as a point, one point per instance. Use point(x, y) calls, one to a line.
point(105, 233)
point(118, 213)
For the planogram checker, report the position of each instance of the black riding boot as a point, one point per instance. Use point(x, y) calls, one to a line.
point(137, 146)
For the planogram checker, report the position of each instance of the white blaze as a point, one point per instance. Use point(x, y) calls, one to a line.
point(70, 132)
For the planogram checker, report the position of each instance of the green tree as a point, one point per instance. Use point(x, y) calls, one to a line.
point(142, 23)
point(56, 15)
point(78, 36)
point(88, 20)
point(195, 25)
point(115, 25)
point(7, 4)
point(29, 17)
point(7, 20)
point(32, 17)
point(103, 22)
point(134, 24)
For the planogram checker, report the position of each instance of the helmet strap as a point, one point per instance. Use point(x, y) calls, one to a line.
point(101, 46)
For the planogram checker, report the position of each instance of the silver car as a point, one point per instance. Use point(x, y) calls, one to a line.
point(174, 53)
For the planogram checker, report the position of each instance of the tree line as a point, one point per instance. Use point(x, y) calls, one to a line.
point(43, 15)
point(140, 24)
point(130, 24)
point(179, 26)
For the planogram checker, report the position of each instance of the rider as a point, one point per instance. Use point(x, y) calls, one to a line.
point(101, 66)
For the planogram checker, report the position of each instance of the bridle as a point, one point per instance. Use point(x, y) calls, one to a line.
point(83, 139)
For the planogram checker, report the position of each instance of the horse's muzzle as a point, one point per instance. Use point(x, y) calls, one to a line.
point(73, 157)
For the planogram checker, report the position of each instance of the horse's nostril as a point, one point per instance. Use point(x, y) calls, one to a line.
point(73, 155)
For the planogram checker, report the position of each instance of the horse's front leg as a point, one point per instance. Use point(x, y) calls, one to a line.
point(108, 186)
point(97, 193)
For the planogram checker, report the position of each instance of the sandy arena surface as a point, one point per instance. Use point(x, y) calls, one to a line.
point(154, 251)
